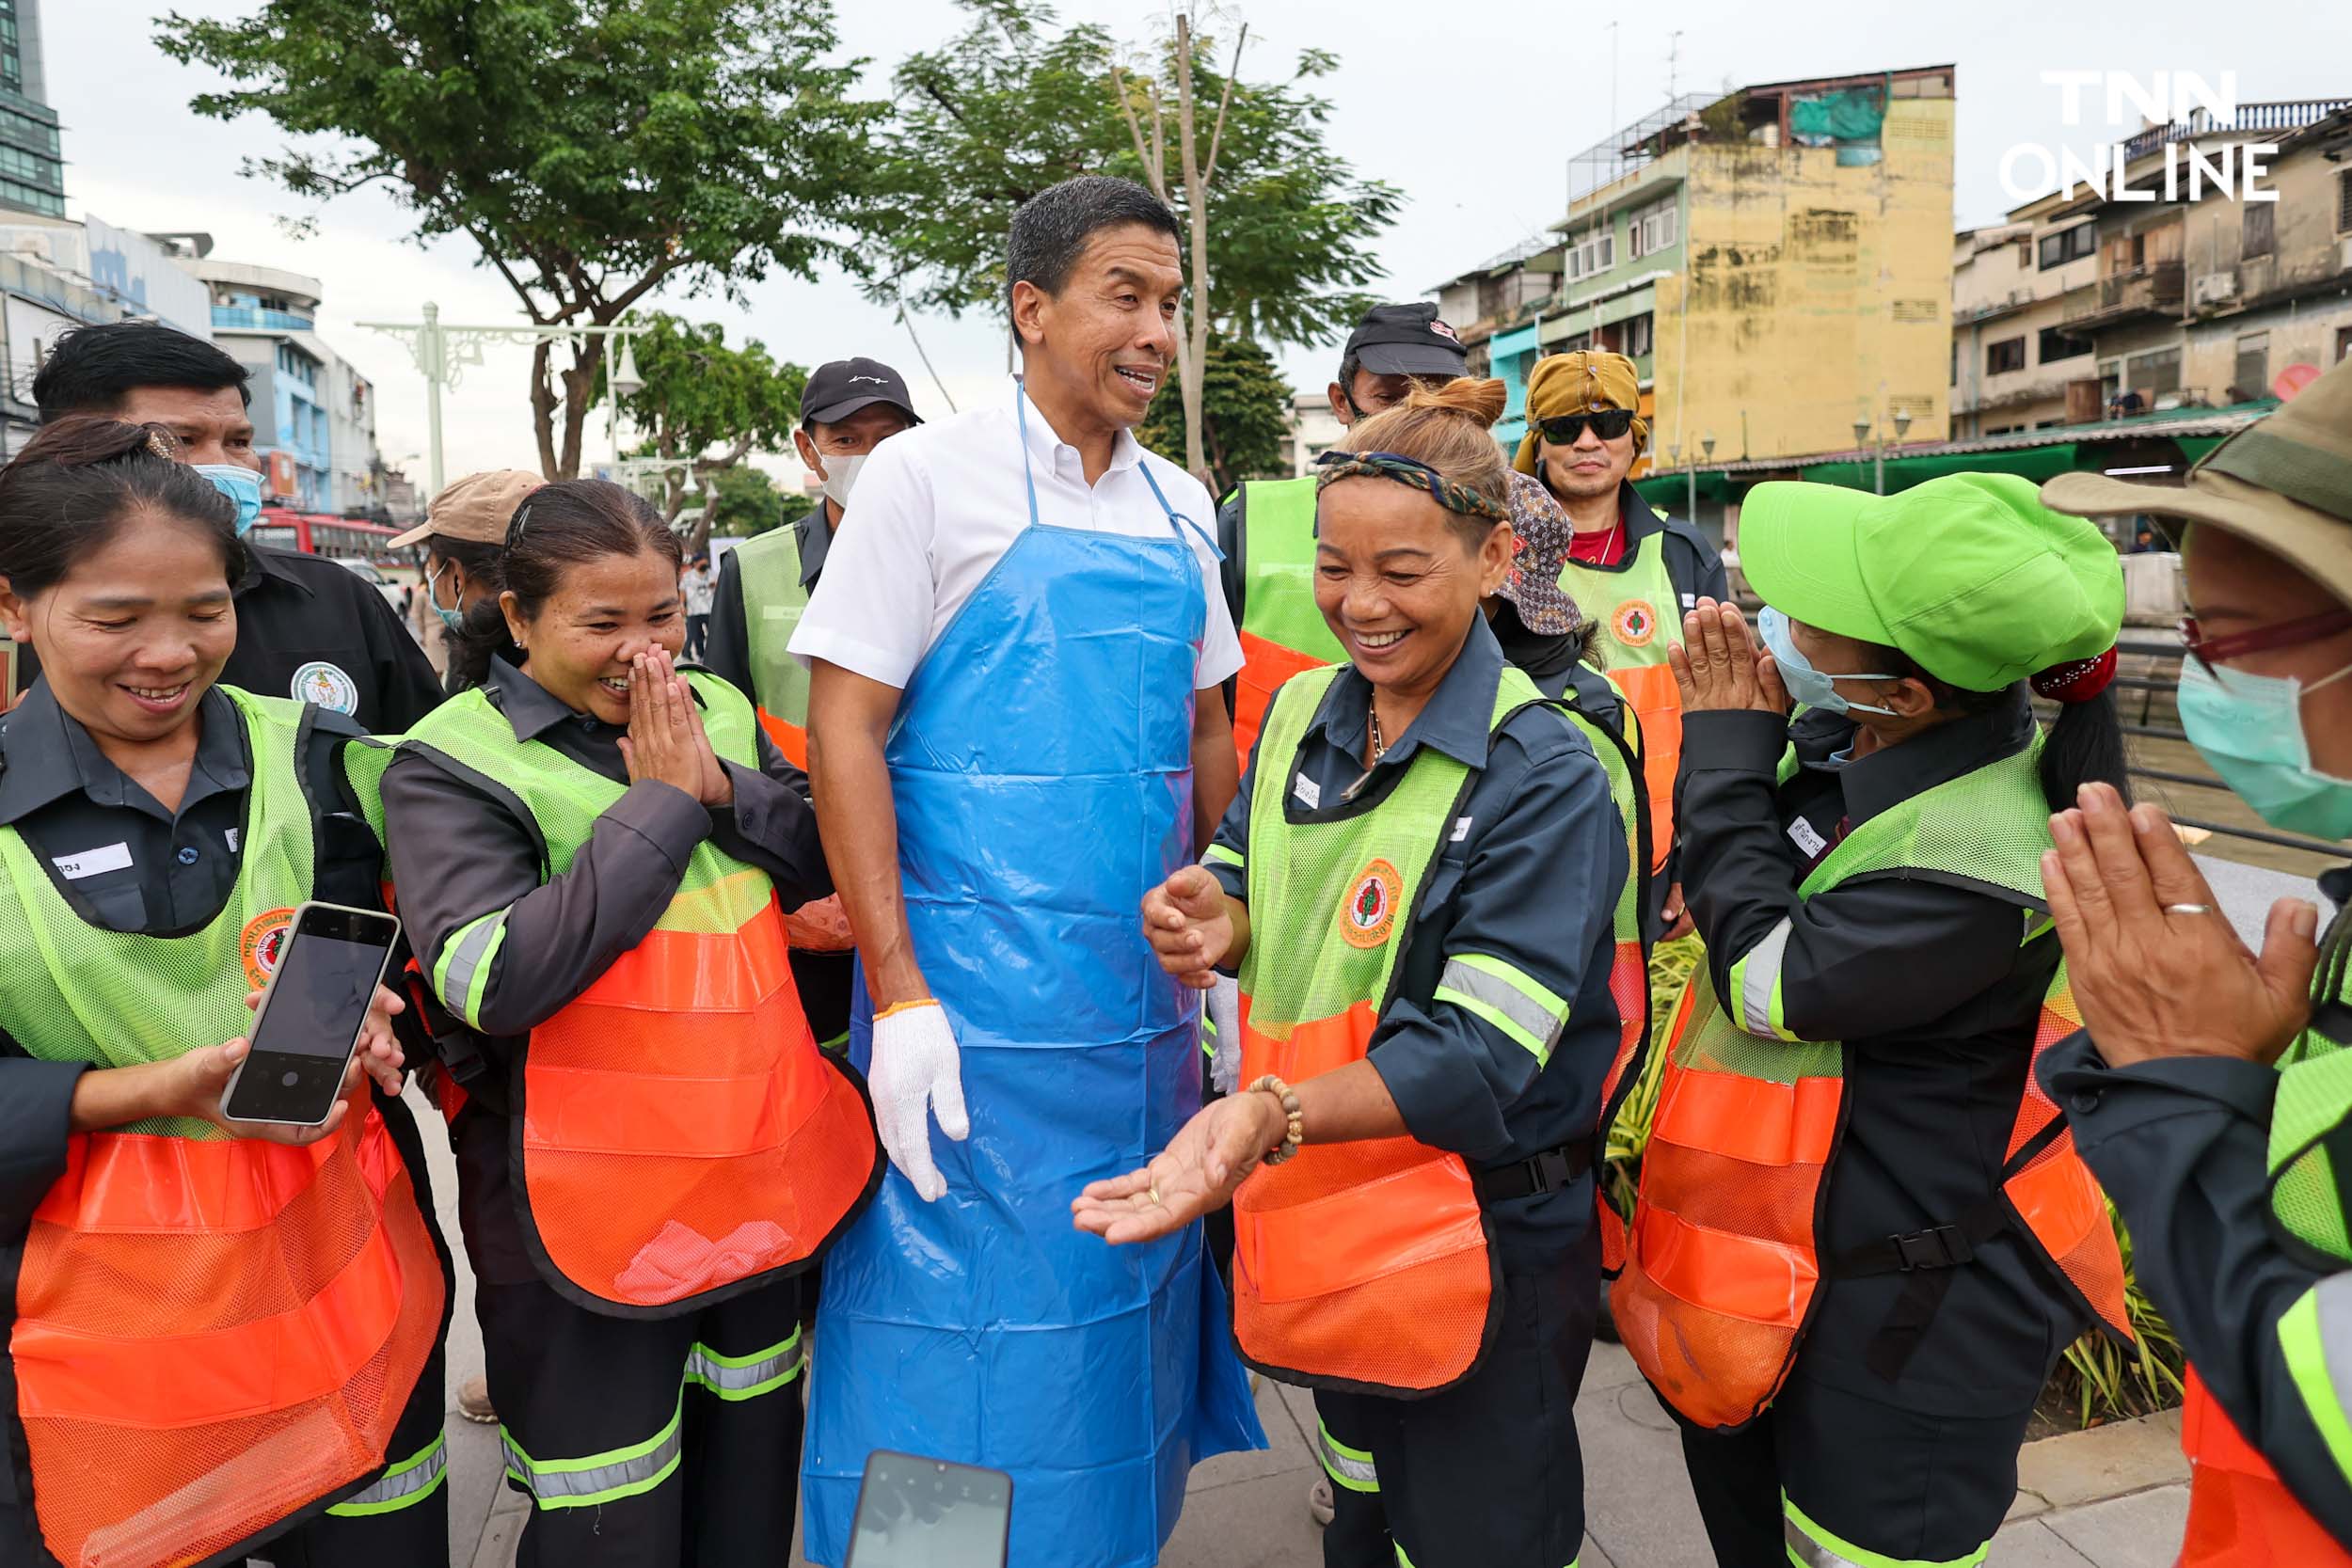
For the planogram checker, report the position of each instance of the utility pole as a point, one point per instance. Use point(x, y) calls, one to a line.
point(444, 352)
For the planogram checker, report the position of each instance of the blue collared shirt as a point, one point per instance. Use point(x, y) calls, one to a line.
point(1531, 880)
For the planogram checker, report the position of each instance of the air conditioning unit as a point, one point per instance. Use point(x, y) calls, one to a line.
point(2214, 288)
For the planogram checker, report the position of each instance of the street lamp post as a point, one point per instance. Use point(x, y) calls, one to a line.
point(1690, 513)
point(443, 353)
point(1862, 439)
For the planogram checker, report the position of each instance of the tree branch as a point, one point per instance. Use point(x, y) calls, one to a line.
point(1216, 136)
point(1143, 155)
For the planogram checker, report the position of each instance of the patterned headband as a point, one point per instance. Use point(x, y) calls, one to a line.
point(1408, 470)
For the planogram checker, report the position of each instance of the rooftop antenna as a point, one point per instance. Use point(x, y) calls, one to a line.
point(1674, 57)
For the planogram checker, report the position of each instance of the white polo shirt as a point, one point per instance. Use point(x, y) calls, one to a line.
point(936, 508)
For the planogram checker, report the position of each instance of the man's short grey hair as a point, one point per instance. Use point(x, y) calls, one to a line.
point(1050, 230)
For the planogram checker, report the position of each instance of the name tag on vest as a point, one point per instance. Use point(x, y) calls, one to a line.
point(1309, 792)
point(1807, 839)
point(93, 862)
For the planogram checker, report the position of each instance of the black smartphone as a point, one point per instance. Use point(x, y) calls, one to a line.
point(329, 966)
point(916, 1512)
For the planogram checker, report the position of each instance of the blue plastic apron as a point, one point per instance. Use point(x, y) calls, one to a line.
point(1041, 768)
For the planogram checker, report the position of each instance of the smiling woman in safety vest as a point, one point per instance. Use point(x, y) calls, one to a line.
point(1863, 1237)
point(1417, 883)
point(594, 853)
point(224, 1338)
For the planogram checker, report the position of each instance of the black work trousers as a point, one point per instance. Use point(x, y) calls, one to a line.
point(1488, 1474)
point(1825, 1470)
point(669, 1443)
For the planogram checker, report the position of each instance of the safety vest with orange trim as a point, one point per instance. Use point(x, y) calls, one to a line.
point(1364, 1265)
point(2240, 1513)
point(213, 1336)
point(1282, 633)
point(1637, 607)
point(680, 1137)
point(768, 568)
point(1724, 1268)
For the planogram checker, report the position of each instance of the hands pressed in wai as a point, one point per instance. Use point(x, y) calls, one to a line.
point(1720, 666)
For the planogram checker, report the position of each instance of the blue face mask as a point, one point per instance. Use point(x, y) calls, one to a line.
point(2249, 728)
point(240, 484)
point(453, 619)
point(1805, 684)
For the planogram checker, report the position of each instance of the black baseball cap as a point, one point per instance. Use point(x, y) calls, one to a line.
point(1407, 340)
point(840, 387)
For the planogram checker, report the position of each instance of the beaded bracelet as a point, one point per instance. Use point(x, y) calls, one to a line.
point(1297, 1133)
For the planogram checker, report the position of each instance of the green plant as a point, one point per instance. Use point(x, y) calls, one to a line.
point(2098, 1379)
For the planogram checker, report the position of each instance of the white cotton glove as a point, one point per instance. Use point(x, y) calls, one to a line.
point(917, 1072)
point(1223, 1008)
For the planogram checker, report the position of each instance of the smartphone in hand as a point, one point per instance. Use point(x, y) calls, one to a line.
point(310, 1015)
point(916, 1512)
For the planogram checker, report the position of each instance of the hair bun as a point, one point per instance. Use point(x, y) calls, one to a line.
point(1482, 400)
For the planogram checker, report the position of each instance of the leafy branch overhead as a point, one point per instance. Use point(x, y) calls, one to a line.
point(710, 406)
point(592, 152)
point(1016, 103)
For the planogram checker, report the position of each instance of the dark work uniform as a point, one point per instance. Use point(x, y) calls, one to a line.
point(166, 873)
point(823, 978)
point(2181, 1147)
point(568, 1383)
point(315, 631)
point(1532, 883)
point(1938, 1003)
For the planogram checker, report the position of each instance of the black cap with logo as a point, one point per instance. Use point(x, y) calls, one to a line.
point(840, 387)
point(1407, 340)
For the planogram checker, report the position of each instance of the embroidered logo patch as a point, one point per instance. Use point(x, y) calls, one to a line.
point(262, 944)
point(1371, 912)
point(325, 685)
point(1635, 623)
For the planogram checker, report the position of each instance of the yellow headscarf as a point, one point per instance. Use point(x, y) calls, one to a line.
point(1576, 384)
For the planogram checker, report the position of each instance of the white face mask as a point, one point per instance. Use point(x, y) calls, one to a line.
point(840, 474)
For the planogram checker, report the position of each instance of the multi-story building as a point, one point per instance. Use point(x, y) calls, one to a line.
point(32, 174)
point(1313, 431)
point(55, 276)
point(1776, 262)
point(313, 414)
point(2082, 307)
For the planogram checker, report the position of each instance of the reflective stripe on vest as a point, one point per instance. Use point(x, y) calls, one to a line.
point(402, 1485)
point(1639, 609)
point(212, 1334)
point(1724, 1266)
point(2240, 1514)
point(1282, 633)
point(681, 1134)
point(1812, 1546)
point(1363, 1265)
point(768, 568)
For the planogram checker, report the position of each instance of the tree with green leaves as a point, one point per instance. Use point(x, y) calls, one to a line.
point(708, 407)
point(1016, 103)
point(1245, 408)
point(744, 502)
point(594, 152)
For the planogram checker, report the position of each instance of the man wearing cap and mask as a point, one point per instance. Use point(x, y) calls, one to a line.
point(1267, 526)
point(307, 628)
point(1633, 571)
point(463, 532)
point(2209, 1088)
point(848, 407)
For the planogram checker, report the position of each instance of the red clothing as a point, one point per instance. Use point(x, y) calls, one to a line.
point(1605, 548)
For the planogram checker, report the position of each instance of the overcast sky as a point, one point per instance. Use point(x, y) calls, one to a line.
point(1470, 107)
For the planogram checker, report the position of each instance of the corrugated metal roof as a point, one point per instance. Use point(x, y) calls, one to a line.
point(2171, 423)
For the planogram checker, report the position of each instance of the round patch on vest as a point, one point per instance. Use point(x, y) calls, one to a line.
point(262, 944)
point(325, 685)
point(1635, 623)
point(1370, 911)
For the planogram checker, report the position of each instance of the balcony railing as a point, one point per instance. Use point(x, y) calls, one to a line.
point(2284, 115)
point(242, 318)
point(2139, 291)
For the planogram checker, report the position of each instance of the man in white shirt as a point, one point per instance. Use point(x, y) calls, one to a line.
point(1015, 731)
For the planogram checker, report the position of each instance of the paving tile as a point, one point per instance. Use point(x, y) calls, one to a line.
point(1288, 1452)
point(2032, 1545)
point(1637, 1497)
point(2104, 1462)
point(1249, 1524)
point(1609, 1368)
point(2142, 1531)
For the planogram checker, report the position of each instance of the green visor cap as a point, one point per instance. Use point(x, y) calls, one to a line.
point(1970, 574)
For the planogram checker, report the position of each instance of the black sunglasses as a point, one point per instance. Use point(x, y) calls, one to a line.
point(1608, 423)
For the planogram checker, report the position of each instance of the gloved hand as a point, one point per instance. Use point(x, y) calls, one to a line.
point(917, 1072)
point(1224, 1014)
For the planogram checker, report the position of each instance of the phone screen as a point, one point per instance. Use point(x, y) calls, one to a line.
point(327, 974)
point(916, 1512)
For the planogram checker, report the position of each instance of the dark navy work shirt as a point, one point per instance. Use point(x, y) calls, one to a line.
point(1530, 875)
